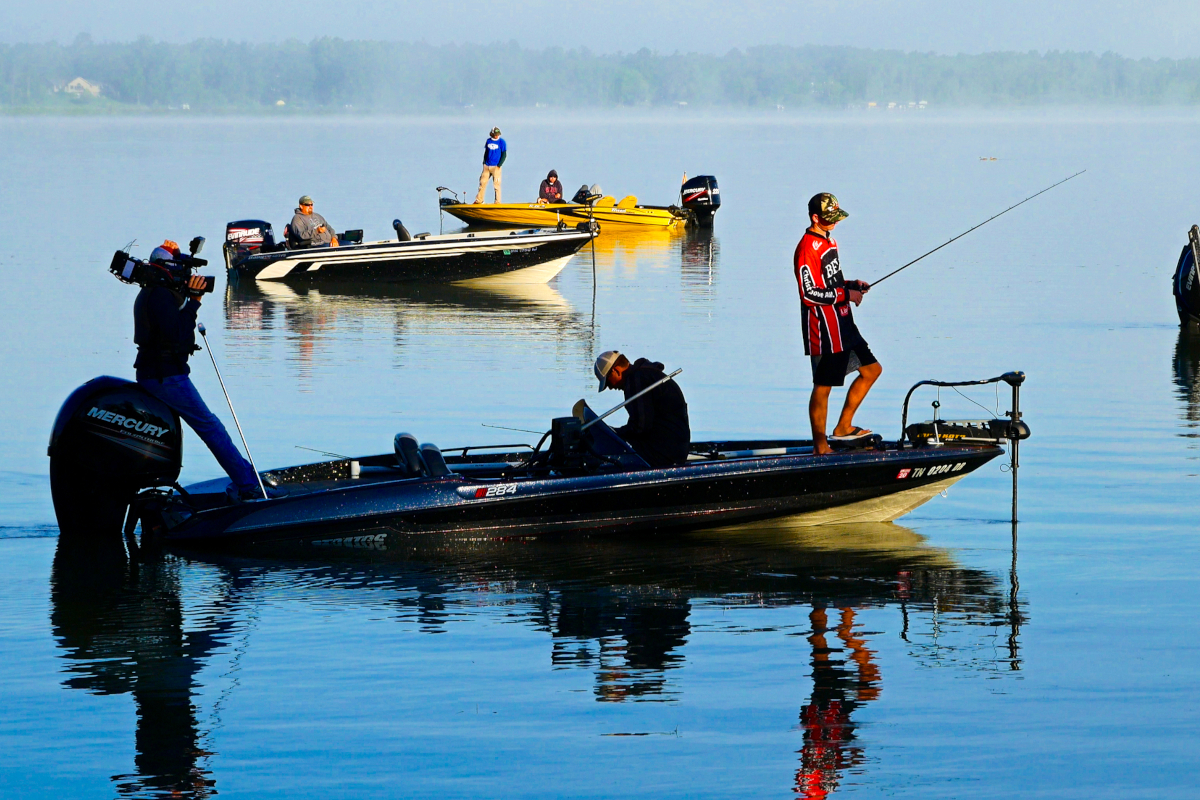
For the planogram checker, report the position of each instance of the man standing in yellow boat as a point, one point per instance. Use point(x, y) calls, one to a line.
point(495, 150)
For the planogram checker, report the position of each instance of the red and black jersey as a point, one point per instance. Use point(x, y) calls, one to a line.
point(828, 323)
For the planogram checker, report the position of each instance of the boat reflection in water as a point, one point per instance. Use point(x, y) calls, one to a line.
point(621, 609)
point(624, 254)
point(312, 319)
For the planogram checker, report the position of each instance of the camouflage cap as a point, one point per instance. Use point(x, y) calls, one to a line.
point(826, 207)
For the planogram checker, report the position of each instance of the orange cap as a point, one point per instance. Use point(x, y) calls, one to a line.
point(169, 245)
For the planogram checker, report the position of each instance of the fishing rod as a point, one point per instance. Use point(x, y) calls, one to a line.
point(651, 387)
point(204, 335)
point(980, 225)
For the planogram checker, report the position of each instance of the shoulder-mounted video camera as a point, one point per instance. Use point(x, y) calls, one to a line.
point(172, 274)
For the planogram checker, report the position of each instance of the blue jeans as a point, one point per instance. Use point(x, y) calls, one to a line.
point(179, 393)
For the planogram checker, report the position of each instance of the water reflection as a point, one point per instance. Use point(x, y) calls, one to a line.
point(313, 319)
point(1187, 378)
point(626, 253)
point(620, 609)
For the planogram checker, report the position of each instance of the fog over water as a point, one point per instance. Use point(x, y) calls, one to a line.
point(1155, 29)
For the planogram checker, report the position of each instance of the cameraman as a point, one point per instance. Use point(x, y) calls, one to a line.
point(164, 324)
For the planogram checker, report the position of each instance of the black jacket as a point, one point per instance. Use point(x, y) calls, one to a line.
point(550, 192)
point(164, 332)
point(658, 422)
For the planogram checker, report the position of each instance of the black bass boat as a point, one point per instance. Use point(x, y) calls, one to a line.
point(115, 454)
point(1186, 282)
point(524, 256)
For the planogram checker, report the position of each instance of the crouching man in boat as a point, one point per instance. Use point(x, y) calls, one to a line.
point(831, 339)
point(164, 329)
point(309, 229)
point(658, 428)
point(551, 190)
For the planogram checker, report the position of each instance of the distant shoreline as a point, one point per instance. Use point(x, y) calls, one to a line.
point(335, 76)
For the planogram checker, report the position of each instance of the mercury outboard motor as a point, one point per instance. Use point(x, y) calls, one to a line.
point(701, 197)
point(1186, 283)
point(110, 440)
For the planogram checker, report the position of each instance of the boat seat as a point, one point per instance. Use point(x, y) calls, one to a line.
point(408, 456)
point(434, 460)
point(628, 201)
point(608, 201)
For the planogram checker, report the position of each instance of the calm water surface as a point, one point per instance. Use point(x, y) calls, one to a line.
point(944, 656)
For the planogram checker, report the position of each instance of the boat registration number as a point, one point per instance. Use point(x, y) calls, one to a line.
point(480, 492)
point(925, 472)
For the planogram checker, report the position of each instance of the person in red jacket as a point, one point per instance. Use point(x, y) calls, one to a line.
point(831, 339)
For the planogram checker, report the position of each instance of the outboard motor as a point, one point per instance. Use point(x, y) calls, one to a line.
point(1186, 283)
point(110, 440)
point(250, 234)
point(701, 197)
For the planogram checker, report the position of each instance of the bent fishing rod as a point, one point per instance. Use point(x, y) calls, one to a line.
point(980, 225)
point(204, 335)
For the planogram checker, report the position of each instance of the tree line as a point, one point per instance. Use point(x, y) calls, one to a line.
point(332, 74)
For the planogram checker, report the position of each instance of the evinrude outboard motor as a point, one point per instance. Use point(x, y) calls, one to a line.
point(110, 440)
point(250, 234)
point(701, 196)
point(1186, 283)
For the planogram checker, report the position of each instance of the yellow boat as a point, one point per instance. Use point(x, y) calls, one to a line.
point(607, 211)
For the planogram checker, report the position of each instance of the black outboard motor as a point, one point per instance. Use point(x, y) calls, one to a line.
point(701, 197)
point(250, 234)
point(110, 440)
point(1186, 283)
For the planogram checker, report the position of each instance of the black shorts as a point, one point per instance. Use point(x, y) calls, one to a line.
point(831, 369)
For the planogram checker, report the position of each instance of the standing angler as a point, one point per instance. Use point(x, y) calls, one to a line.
point(831, 339)
point(495, 150)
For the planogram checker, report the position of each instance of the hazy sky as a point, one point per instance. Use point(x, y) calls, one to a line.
point(1153, 28)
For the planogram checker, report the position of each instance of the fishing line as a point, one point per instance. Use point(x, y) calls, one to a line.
point(980, 225)
point(985, 408)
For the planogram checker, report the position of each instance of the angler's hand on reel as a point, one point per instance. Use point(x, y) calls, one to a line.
point(855, 291)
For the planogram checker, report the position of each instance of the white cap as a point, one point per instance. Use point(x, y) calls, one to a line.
point(604, 365)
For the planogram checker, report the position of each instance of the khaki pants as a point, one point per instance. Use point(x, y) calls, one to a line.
point(494, 173)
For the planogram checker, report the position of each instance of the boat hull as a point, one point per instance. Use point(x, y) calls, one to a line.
point(855, 486)
point(465, 259)
point(496, 215)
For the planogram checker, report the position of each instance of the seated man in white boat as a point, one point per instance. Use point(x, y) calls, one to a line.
point(309, 229)
point(658, 428)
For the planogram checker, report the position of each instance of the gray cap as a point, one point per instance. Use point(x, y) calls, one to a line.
point(305, 201)
point(604, 365)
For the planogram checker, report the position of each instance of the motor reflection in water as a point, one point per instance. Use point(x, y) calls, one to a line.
point(621, 609)
point(1187, 379)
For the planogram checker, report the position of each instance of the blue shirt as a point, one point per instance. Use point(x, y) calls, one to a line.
point(494, 151)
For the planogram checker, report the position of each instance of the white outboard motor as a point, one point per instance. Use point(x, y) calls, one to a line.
point(1186, 283)
point(110, 440)
point(702, 198)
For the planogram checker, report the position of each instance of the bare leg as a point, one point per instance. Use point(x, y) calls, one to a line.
point(818, 408)
point(867, 375)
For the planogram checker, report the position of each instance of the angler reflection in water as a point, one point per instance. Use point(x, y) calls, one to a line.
point(120, 628)
point(840, 685)
point(316, 321)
